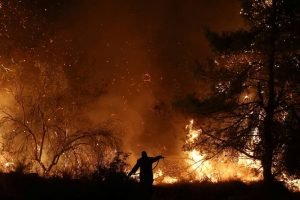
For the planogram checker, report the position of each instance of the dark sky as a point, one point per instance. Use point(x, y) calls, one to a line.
point(142, 52)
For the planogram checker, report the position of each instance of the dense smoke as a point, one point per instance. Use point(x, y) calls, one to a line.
point(125, 61)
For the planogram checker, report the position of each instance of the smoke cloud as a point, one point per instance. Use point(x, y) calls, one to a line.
point(130, 59)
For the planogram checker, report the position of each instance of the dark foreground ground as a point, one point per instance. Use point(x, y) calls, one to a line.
point(14, 186)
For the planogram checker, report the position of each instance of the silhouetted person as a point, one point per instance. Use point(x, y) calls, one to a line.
point(146, 173)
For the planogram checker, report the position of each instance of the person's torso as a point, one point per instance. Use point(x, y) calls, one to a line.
point(145, 168)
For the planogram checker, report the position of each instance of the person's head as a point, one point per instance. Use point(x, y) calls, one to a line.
point(144, 154)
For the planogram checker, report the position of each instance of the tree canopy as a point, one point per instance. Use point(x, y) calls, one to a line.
point(254, 105)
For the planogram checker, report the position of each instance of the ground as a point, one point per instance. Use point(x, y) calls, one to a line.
point(17, 186)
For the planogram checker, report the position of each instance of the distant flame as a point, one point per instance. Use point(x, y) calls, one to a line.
point(192, 133)
point(220, 169)
point(197, 168)
point(163, 179)
point(223, 168)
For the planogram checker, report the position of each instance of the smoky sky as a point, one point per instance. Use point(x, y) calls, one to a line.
point(131, 58)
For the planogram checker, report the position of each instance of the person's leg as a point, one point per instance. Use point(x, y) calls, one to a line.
point(146, 190)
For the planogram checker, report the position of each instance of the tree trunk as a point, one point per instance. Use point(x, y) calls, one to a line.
point(267, 158)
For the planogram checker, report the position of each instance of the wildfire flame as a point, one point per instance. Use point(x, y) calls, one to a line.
point(195, 167)
point(217, 170)
point(222, 168)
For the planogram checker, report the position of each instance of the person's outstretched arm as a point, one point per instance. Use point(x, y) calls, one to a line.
point(154, 159)
point(134, 169)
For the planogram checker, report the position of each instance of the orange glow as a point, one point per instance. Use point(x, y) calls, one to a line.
point(160, 178)
point(224, 169)
point(220, 169)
